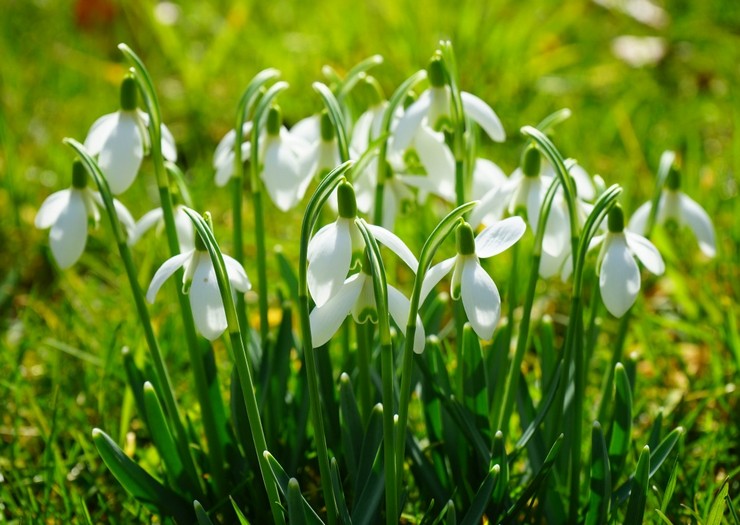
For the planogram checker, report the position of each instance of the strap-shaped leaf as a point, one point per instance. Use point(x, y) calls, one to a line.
point(638, 495)
point(338, 492)
point(162, 437)
point(601, 480)
point(282, 479)
point(621, 429)
point(370, 449)
point(351, 425)
point(200, 514)
point(474, 380)
point(296, 510)
point(482, 497)
point(717, 510)
point(499, 457)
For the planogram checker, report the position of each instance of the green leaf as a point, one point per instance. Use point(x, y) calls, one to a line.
point(282, 479)
point(482, 497)
point(351, 426)
point(336, 116)
point(201, 514)
point(499, 457)
point(338, 492)
point(670, 487)
point(296, 510)
point(621, 429)
point(424, 472)
point(370, 449)
point(289, 277)
point(162, 437)
point(601, 481)
point(239, 514)
point(663, 517)
point(638, 495)
point(717, 510)
point(733, 512)
point(139, 483)
point(475, 395)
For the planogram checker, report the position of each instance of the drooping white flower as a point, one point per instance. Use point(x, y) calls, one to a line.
point(120, 140)
point(67, 212)
point(155, 217)
point(331, 250)
point(470, 282)
point(675, 205)
point(619, 275)
point(356, 296)
point(223, 157)
point(322, 154)
point(199, 282)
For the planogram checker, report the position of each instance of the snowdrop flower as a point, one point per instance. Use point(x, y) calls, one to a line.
point(674, 205)
point(619, 275)
point(322, 154)
point(470, 282)
point(223, 157)
point(356, 296)
point(199, 282)
point(155, 217)
point(120, 140)
point(281, 163)
point(332, 250)
point(67, 212)
point(433, 110)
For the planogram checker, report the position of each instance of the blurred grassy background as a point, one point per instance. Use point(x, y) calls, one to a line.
point(60, 366)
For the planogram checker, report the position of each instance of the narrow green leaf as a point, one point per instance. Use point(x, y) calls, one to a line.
point(336, 116)
point(357, 71)
point(638, 495)
point(499, 457)
point(482, 497)
point(670, 487)
point(162, 437)
point(474, 380)
point(733, 512)
point(289, 277)
point(601, 481)
point(370, 449)
point(239, 514)
point(200, 514)
point(296, 511)
point(282, 479)
point(424, 471)
point(135, 379)
point(621, 429)
point(351, 426)
point(655, 431)
point(663, 517)
point(139, 483)
point(451, 515)
point(717, 510)
point(338, 492)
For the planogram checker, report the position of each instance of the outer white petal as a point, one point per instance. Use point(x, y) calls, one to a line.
point(486, 176)
point(227, 143)
point(410, 122)
point(398, 307)
point(492, 205)
point(429, 185)
point(619, 277)
point(361, 132)
point(697, 219)
point(557, 229)
point(169, 150)
point(584, 185)
point(436, 157)
point(165, 271)
point(205, 301)
point(308, 129)
point(68, 235)
point(397, 246)
point(551, 264)
point(499, 237)
point(185, 230)
point(51, 208)
point(280, 174)
point(329, 259)
point(646, 252)
point(237, 275)
point(121, 154)
point(535, 194)
point(99, 132)
point(638, 221)
point(391, 205)
point(482, 113)
point(124, 217)
point(143, 225)
point(326, 319)
point(434, 275)
point(480, 297)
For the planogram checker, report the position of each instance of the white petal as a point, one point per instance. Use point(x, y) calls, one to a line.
point(436, 158)
point(697, 219)
point(124, 217)
point(434, 275)
point(99, 132)
point(619, 277)
point(185, 230)
point(50, 209)
point(557, 229)
point(410, 122)
point(499, 237)
point(480, 297)
point(391, 204)
point(143, 225)
point(646, 252)
point(308, 129)
point(429, 185)
point(326, 319)
point(205, 301)
point(237, 276)
point(398, 307)
point(68, 234)
point(169, 150)
point(397, 246)
point(482, 113)
point(227, 143)
point(584, 185)
point(638, 221)
point(535, 194)
point(164, 272)
point(551, 264)
point(486, 176)
point(329, 259)
point(121, 154)
point(361, 131)
point(492, 206)
point(280, 174)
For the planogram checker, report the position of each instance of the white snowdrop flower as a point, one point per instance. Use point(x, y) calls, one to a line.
point(199, 282)
point(433, 109)
point(619, 275)
point(322, 154)
point(470, 282)
point(155, 218)
point(67, 212)
point(674, 205)
point(223, 157)
point(332, 250)
point(356, 296)
point(120, 140)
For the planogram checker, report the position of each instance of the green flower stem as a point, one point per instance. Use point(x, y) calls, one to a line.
point(380, 287)
point(512, 379)
point(213, 434)
point(364, 355)
point(445, 227)
point(242, 363)
point(163, 378)
point(313, 210)
point(355, 74)
point(336, 117)
point(394, 103)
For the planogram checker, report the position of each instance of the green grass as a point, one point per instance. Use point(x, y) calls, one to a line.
point(61, 333)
